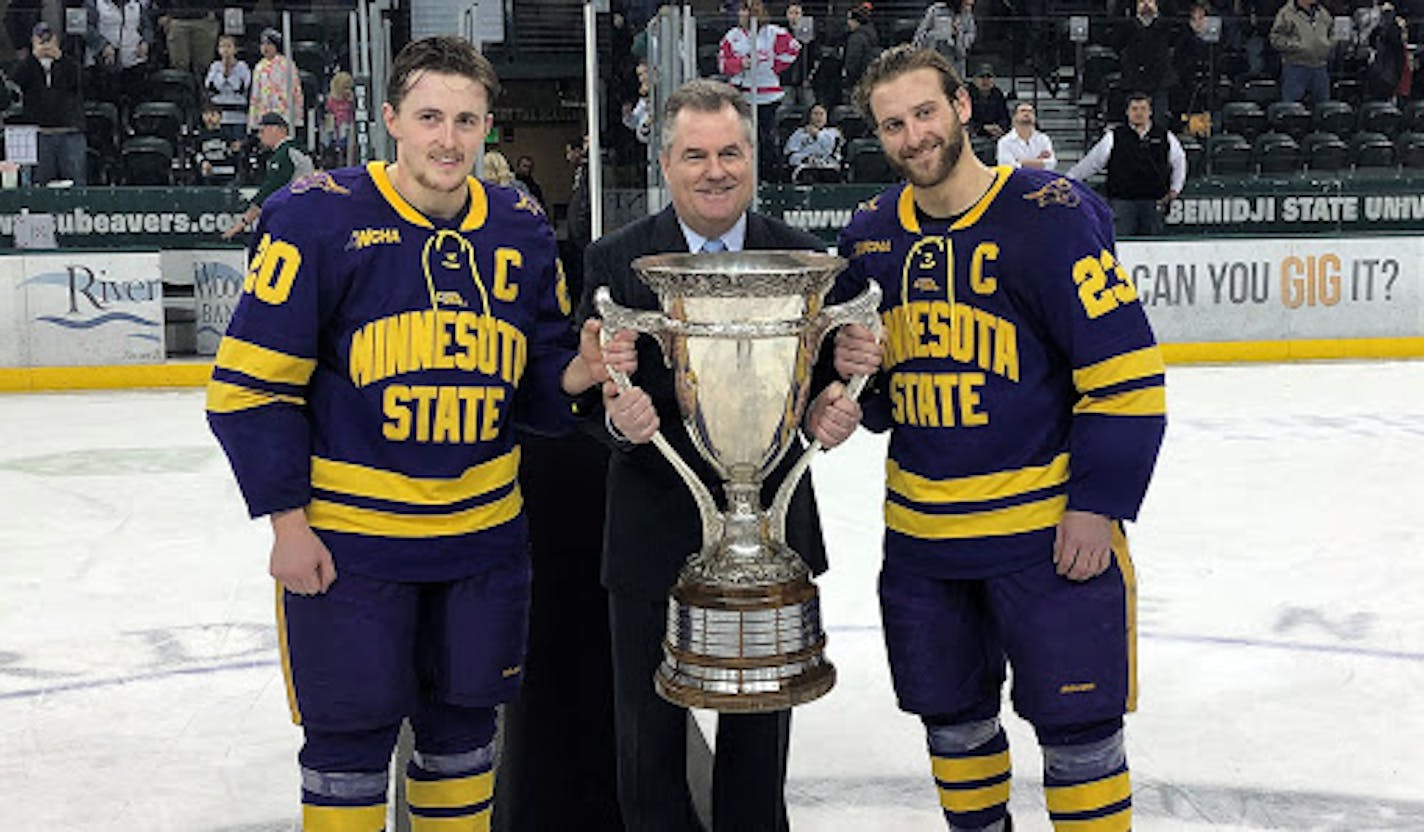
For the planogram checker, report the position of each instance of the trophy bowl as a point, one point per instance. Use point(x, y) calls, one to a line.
point(741, 332)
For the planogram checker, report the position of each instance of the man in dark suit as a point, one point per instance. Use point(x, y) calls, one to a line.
point(652, 523)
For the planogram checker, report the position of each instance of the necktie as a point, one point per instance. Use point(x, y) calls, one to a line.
point(714, 245)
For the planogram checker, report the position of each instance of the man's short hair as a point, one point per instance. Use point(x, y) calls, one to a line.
point(892, 63)
point(272, 118)
point(704, 95)
point(440, 53)
point(1137, 96)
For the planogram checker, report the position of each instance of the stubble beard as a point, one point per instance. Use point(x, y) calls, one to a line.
point(948, 157)
point(427, 182)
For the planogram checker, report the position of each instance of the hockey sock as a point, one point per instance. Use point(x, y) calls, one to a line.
point(343, 801)
point(971, 768)
point(1086, 785)
point(450, 779)
point(344, 777)
point(451, 792)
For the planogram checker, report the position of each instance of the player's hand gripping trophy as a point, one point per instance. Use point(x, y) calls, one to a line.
point(741, 332)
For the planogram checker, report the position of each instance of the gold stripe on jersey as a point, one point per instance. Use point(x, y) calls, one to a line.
point(1088, 797)
point(968, 769)
point(1120, 368)
point(474, 218)
point(1149, 401)
point(1029, 517)
point(978, 488)
point(972, 800)
point(1129, 580)
point(284, 651)
point(911, 223)
point(263, 363)
point(365, 481)
point(344, 818)
point(453, 793)
point(1116, 822)
point(229, 398)
point(335, 517)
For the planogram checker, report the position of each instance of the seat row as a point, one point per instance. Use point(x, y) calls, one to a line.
point(1281, 153)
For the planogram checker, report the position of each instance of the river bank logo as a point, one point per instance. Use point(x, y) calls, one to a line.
point(93, 301)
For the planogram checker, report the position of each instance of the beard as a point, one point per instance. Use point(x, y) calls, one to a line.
point(424, 180)
point(942, 160)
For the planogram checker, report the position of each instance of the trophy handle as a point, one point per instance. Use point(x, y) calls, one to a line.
point(617, 317)
point(863, 309)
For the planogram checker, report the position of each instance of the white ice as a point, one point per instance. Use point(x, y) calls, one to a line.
point(1280, 556)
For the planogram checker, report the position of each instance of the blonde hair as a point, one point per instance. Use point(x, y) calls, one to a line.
point(496, 169)
point(341, 85)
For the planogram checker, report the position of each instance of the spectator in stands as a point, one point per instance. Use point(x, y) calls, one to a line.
point(1301, 33)
point(949, 29)
point(1256, 19)
point(192, 30)
point(797, 78)
point(1144, 46)
point(989, 115)
point(637, 116)
point(1389, 66)
point(495, 170)
point(1193, 61)
point(120, 37)
point(580, 212)
point(862, 44)
point(287, 162)
point(1146, 169)
point(215, 154)
point(814, 148)
point(753, 63)
point(524, 173)
point(49, 83)
point(340, 119)
point(276, 87)
point(1026, 146)
point(229, 85)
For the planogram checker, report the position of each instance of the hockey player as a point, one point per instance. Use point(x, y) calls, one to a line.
point(397, 321)
point(1024, 394)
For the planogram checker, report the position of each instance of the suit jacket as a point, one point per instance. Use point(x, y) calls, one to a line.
point(651, 525)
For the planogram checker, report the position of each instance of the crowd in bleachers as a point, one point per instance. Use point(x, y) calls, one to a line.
point(163, 93)
point(1233, 78)
point(1248, 85)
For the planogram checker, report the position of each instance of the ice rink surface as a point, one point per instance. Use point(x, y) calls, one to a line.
point(1280, 561)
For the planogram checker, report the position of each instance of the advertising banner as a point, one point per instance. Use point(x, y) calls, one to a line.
point(1279, 289)
point(1207, 208)
point(90, 308)
point(125, 217)
point(217, 284)
point(12, 307)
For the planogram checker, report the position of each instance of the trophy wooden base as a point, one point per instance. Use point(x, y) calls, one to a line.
point(746, 650)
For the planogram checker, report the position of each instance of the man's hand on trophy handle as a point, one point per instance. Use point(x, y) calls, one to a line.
point(620, 352)
point(631, 413)
point(857, 351)
point(833, 416)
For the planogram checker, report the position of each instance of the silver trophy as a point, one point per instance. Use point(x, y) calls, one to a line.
point(741, 332)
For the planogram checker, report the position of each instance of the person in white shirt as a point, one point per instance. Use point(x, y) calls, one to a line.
point(753, 55)
point(815, 146)
point(1026, 146)
point(1146, 169)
